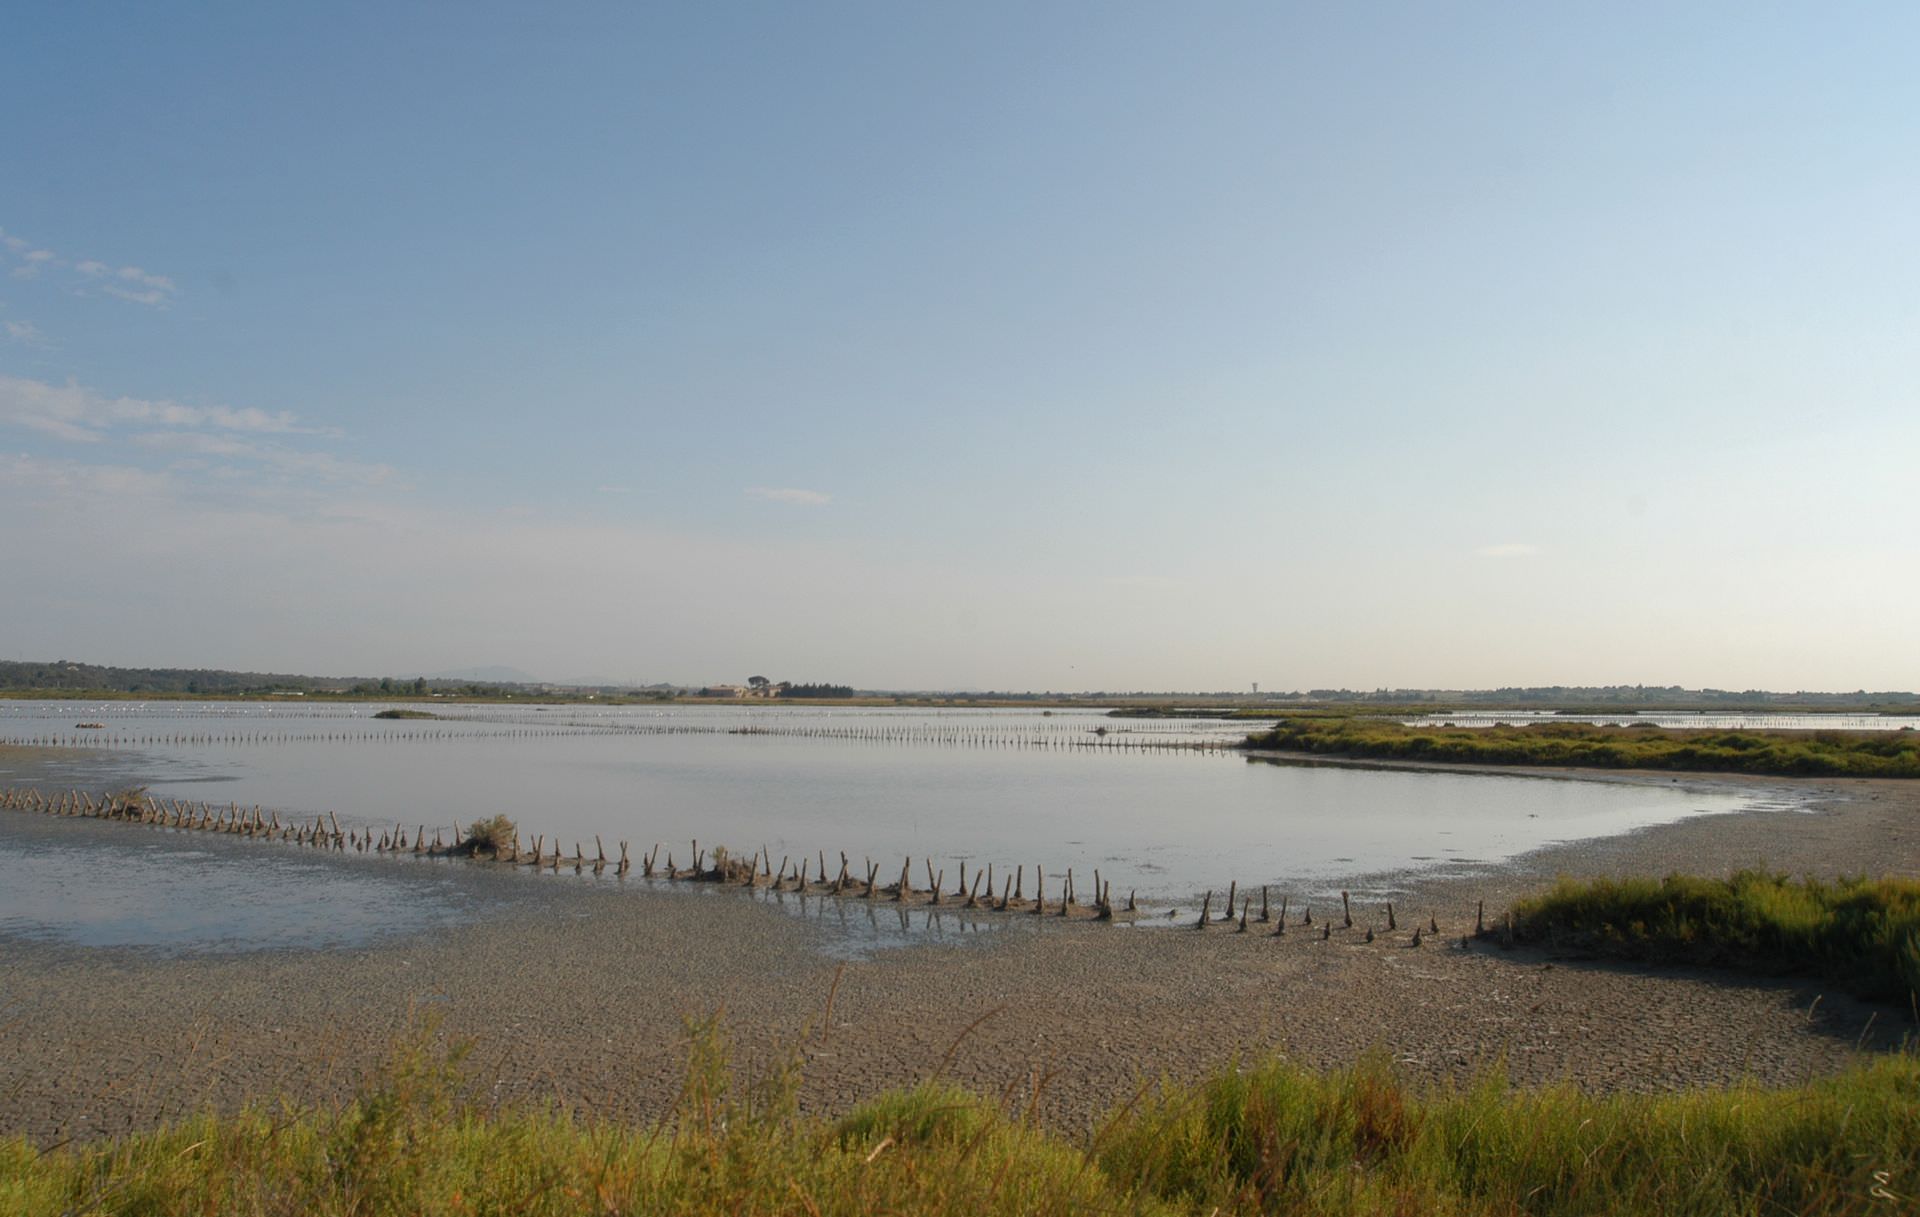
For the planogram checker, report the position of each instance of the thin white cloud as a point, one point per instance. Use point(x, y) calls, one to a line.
point(48, 477)
point(151, 295)
point(26, 333)
point(1508, 549)
point(134, 283)
point(321, 466)
point(73, 412)
point(788, 494)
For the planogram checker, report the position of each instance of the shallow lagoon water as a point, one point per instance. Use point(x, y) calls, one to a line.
point(103, 885)
point(1014, 788)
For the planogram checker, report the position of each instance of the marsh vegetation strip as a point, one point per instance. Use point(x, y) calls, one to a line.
point(1167, 823)
point(1678, 719)
point(1271, 1138)
point(1557, 743)
point(1861, 933)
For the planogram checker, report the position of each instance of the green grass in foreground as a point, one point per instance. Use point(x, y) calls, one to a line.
point(1862, 933)
point(1865, 754)
point(1273, 1139)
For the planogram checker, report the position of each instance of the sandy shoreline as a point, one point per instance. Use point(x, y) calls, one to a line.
point(576, 990)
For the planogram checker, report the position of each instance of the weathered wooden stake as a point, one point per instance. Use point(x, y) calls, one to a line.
point(1346, 910)
point(1392, 924)
point(1206, 911)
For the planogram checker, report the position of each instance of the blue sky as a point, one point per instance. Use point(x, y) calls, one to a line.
point(1001, 346)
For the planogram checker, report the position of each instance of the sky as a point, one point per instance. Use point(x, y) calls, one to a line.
point(1058, 346)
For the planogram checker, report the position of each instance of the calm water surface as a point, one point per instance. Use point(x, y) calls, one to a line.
point(1156, 805)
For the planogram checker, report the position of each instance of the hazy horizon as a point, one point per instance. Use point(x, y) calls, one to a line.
point(994, 347)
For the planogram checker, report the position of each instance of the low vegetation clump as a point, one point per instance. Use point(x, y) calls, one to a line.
point(1864, 934)
point(494, 835)
point(1271, 1139)
point(406, 714)
point(1866, 754)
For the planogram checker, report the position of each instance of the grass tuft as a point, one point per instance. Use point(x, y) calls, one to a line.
point(1864, 934)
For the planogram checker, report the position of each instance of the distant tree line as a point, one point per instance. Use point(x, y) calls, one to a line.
point(792, 690)
point(68, 676)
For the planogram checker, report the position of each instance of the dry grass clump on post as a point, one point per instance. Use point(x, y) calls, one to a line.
point(491, 837)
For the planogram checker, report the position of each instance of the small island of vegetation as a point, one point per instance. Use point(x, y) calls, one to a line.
point(1854, 754)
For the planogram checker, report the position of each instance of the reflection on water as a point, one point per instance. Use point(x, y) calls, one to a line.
point(1014, 788)
point(112, 886)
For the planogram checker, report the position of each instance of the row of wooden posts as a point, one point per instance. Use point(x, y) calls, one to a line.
point(951, 737)
point(715, 866)
point(1247, 918)
point(1007, 894)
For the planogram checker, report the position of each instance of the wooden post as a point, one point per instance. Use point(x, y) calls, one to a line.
point(1206, 911)
point(1392, 924)
point(1244, 904)
point(1233, 892)
point(1280, 923)
point(1346, 910)
point(1480, 918)
point(973, 897)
